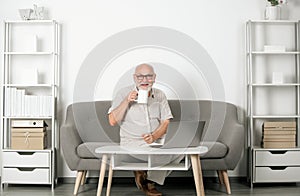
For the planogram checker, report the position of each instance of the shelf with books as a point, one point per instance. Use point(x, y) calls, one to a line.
point(30, 91)
point(273, 96)
point(19, 103)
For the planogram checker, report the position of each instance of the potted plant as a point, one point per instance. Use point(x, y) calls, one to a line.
point(272, 12)
point(273, 2)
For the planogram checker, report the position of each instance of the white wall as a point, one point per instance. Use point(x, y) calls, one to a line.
point(219, 26)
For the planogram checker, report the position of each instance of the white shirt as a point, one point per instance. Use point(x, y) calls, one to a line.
point(142, 118)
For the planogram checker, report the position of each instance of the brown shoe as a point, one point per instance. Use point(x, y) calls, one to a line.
point(150, 189)
point(140, 177)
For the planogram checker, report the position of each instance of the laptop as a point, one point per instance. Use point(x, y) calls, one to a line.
point(181, 134)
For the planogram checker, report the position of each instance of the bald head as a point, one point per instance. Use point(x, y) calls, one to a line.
point(144, 76)
point(144, 68)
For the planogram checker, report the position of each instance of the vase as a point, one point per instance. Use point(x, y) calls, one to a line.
point(272, 13)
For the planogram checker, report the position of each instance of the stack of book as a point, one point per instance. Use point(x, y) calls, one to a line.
point(19, 104)
point(279, 135)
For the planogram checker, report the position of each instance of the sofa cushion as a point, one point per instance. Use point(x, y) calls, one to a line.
point(215, 150)
point(87, 150)
point(91, 121)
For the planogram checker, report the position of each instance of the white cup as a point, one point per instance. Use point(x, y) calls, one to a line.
point(142, 97)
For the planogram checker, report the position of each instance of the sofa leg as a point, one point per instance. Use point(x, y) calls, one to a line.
point(77, 182)
point(83, 178)
point(226, 181)
point(220, 176)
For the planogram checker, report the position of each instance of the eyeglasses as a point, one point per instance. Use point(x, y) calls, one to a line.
point(141, 77)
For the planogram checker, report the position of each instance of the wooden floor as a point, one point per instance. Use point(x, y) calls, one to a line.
point(172, 187)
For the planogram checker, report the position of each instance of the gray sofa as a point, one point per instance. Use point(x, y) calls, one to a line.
point(86, 128)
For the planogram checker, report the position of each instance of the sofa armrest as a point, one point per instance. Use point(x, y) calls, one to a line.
point(235, 143)
point(70, 140)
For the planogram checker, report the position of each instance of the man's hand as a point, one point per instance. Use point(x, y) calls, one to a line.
point(132, 96)
point(148, 138)
point(158, 133)
point(117, 114)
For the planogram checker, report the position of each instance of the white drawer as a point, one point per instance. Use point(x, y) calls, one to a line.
point(277, 158)
point(26, 159)
point(270, 174)
point(26, 175)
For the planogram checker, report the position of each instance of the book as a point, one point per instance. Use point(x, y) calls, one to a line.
point(279, 136)
point(28, 123)
point(284, 132)
point(278, 124)
point(280, 129)
point(279, 144)
point(7, 101)
point(279, 139)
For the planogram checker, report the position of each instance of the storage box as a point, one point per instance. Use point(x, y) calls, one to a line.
point(28, 140)
point(279, 135)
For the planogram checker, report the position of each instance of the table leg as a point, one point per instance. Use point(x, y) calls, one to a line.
point(102, 174)
point(196, 164)
point(110, 174)
point(200, 176)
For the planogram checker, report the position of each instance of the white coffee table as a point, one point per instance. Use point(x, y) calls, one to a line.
point(191, 152)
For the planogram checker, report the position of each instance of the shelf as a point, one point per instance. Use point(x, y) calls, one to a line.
point(29, 53)
point(266, 52)
point(29, 100)
point(275, 85)
point(275, 116)
point(29, 85)
point(15, 150)
point(258, 148)
point(281, 53)
point(27, 117)
point(145, 166)
point(275, 21)
point(30, 21)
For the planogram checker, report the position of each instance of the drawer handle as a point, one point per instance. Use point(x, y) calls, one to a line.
point(278, 152)
point(25, 169)
point(25, 153)
point(278, 167)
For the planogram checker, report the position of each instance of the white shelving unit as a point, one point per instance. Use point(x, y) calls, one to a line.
point(270, 101)
point(30, 45)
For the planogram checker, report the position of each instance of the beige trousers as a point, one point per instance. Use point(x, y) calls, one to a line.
point(157, 176)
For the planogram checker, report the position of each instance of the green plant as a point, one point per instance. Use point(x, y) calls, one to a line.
point(274, 2)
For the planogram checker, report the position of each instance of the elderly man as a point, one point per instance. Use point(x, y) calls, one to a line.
point(142, 124)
